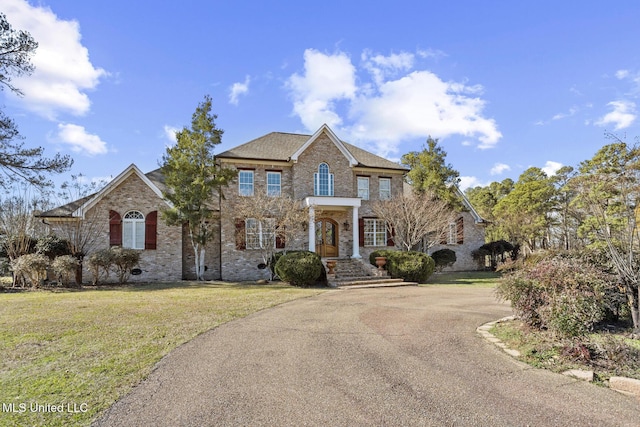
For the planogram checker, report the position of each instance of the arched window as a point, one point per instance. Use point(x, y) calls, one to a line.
point(323, 181)
point(133, 230)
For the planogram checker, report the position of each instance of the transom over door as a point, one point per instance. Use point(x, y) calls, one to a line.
point(327, 237)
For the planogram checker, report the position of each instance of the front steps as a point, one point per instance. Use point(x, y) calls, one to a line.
point(354, 273)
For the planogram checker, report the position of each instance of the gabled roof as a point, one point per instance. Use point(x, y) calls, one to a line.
point(77, 208)
point(279, 146)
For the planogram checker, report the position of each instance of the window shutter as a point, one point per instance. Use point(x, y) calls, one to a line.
point(115, 229)
point(460, 230)
point(361, 231)
point(241, 243)
point(390, 236)
point(150, 230)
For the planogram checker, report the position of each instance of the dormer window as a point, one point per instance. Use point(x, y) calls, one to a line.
point(323, 181)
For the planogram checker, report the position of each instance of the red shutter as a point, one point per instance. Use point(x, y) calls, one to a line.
point(115, 229)
point(151, 230)
point(390, 236)
point(240, 237)
point(361, 231)
point(280, 241)
point(460, 230)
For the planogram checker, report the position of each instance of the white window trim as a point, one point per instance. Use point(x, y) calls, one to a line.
point(387, 192)
point(240, 183)
point(262, 233)
point(363, 179)
point(279, 185)
point(136, 222)
point(453, 234)
point(316, 179)
point(373, 234)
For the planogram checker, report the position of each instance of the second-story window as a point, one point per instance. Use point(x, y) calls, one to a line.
point(363, 187)
point(245, 183)
point(274, 184)
point(323, 181)
point(385, 188)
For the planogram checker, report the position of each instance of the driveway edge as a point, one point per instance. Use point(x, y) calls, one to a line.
point(624, 385)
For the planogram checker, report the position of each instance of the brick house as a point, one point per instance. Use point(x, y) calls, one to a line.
point(337, 181)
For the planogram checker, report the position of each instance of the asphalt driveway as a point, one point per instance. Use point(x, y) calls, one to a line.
point(387, 356)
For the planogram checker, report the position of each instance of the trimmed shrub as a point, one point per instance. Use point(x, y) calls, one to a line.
point(100, 263)
point(565, 295)
point(32, 267)
point(409, 266)
point(123, 261)
point(299, 268)
point(64, 267)
point(444, 258)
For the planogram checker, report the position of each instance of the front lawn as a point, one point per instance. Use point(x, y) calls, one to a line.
point(488, 279)
point(79, 351)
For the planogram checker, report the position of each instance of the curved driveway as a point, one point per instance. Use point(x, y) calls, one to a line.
point(387, 356)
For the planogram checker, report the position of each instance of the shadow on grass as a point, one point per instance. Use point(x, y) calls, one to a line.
point(464, 278)
point(161, 286)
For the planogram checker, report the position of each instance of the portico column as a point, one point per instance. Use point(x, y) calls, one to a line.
point(312, 229)
point(356, 233)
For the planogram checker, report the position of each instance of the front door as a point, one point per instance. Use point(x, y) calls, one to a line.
point(327, 237)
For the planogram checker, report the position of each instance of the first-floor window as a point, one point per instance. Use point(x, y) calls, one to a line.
point(133, 230)
point(375, 232)
point(260, 234)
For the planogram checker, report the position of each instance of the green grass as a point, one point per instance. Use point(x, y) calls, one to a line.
point(486, 279)
point(92, 346)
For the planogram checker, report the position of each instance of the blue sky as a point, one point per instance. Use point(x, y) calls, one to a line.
point(503, 85)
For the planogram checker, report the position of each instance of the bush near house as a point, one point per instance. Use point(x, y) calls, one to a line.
point(299, 268)
point(410, 266)
point(64, 267)
point(32, 267)
point(120, 260)
point(563, 294)
point(444, 258)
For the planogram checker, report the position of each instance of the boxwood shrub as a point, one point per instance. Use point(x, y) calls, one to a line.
point(299, 268)
point(409, 266)
point(444, 258)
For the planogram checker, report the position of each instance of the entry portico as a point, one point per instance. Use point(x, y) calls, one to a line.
point(332, 203)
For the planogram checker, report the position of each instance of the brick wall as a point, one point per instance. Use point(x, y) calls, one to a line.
point(473, 239)
point(161, 264)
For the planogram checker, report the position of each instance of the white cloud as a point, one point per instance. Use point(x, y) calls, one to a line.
point(621, 74)
point(238, 89)
point(326, 79)
point(63, 72)
point(572, 112)
point(80, 141)
point(551, 167)
point(390, 104)
point(170, 133)
point(499, 168)
point(469, 182)
point(622, 116)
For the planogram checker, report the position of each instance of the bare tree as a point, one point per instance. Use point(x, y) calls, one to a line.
point(19, 229)
point(416, 219)
point(273, 220)
point(83, 230)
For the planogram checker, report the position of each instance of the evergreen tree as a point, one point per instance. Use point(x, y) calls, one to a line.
point(194, 180)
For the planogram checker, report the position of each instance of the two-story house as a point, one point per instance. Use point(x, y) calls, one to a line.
point(338, 182)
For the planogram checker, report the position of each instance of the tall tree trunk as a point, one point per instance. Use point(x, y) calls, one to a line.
point(199, 253)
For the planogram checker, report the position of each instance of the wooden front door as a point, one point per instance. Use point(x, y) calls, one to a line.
point(327, 237)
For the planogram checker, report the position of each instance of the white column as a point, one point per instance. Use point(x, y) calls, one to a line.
point(312, 229)
point(356, 234)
